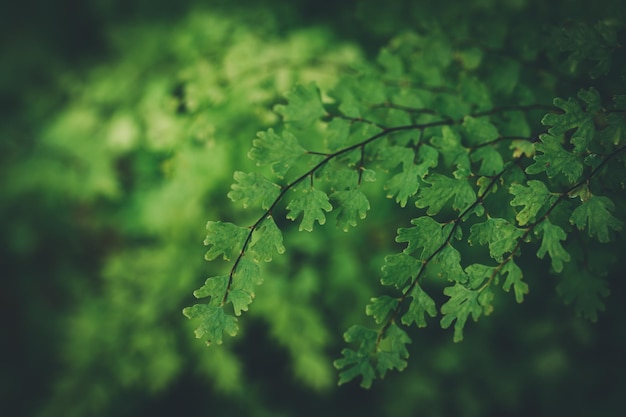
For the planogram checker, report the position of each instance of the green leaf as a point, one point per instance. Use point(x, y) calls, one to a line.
point(358, 363)
point(421, 304)
point(595, 214)
point(240, 300)
point(351, 205)
point(270, 240)
point(406, 183)
point(380, 307)
point(555, 160)
point(479, 130)
point(492, 162)
point(514, 278)
point(448, 264)
point(574, 118)
point(312, 203)
point(552, 235)
point(253, 189)
point(224, 238)
point(463, 302)
point(280, 152)
point(247, 276)
point(615, 131)
point(304, 105)
point(213, 322)
point(392, 352)
point(450, 148)
point(501, 236)
point(214, 287)
point(441, 190)
point(337, 133)
point(399, 268)
point(533, 198)
point(426, 233)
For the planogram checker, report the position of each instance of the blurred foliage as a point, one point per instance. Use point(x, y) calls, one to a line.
point(122, 123)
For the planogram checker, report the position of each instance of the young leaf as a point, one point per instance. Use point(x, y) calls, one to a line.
point(351, 205)
point(224, 238)
point(270, 240)
point(574, 118)
point(426, 234)
point(421, 304)
point(555, 160)
point(532, 198)
point(595, 213)
point(514, 278)
point(214, 287)
point(304, 105)
point(240, 300)
point(463, 302)
point(358, 363)
point(441, 190)
point(552, 235)
point(450, 148)
point(380, 307)
point(247, 276)
point(406, 183)
point(448, 264)
point(253, 189)
point(280, 152)
point(312, 203)
point(479, 130)
point(492, 162)
point(399, 268)
point(392, 352)
point(499, 234)
point(213, 322)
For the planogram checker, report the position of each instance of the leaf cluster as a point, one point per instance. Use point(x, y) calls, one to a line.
point(473, 176)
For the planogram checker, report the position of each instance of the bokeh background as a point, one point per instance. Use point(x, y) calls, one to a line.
point(121, 124)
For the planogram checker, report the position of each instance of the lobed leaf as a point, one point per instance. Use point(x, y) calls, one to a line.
point(254, 189)
point(552, 235)
point(213, 322)
point(479, 130)
point(399, 268)
point(501, 236)
point(514, 278)
point(406, 183)
point(351, 206)
point(304, 105)
point(270, 241)
point(392, 352)
point(421, 304)
point(555, 160)
point(426, 233)
point(280, 152)
point(380, 307)
point(358, 363)
point(214, 287)
point(532, 197)
point(595, 214)
point(441, 190)
point(574, 118)
point(224, 239)
point(492, 162)
point(311, 203)
point(463, 302)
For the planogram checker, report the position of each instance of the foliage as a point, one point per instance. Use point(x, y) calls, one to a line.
point(466, 189)
point(473, 163)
